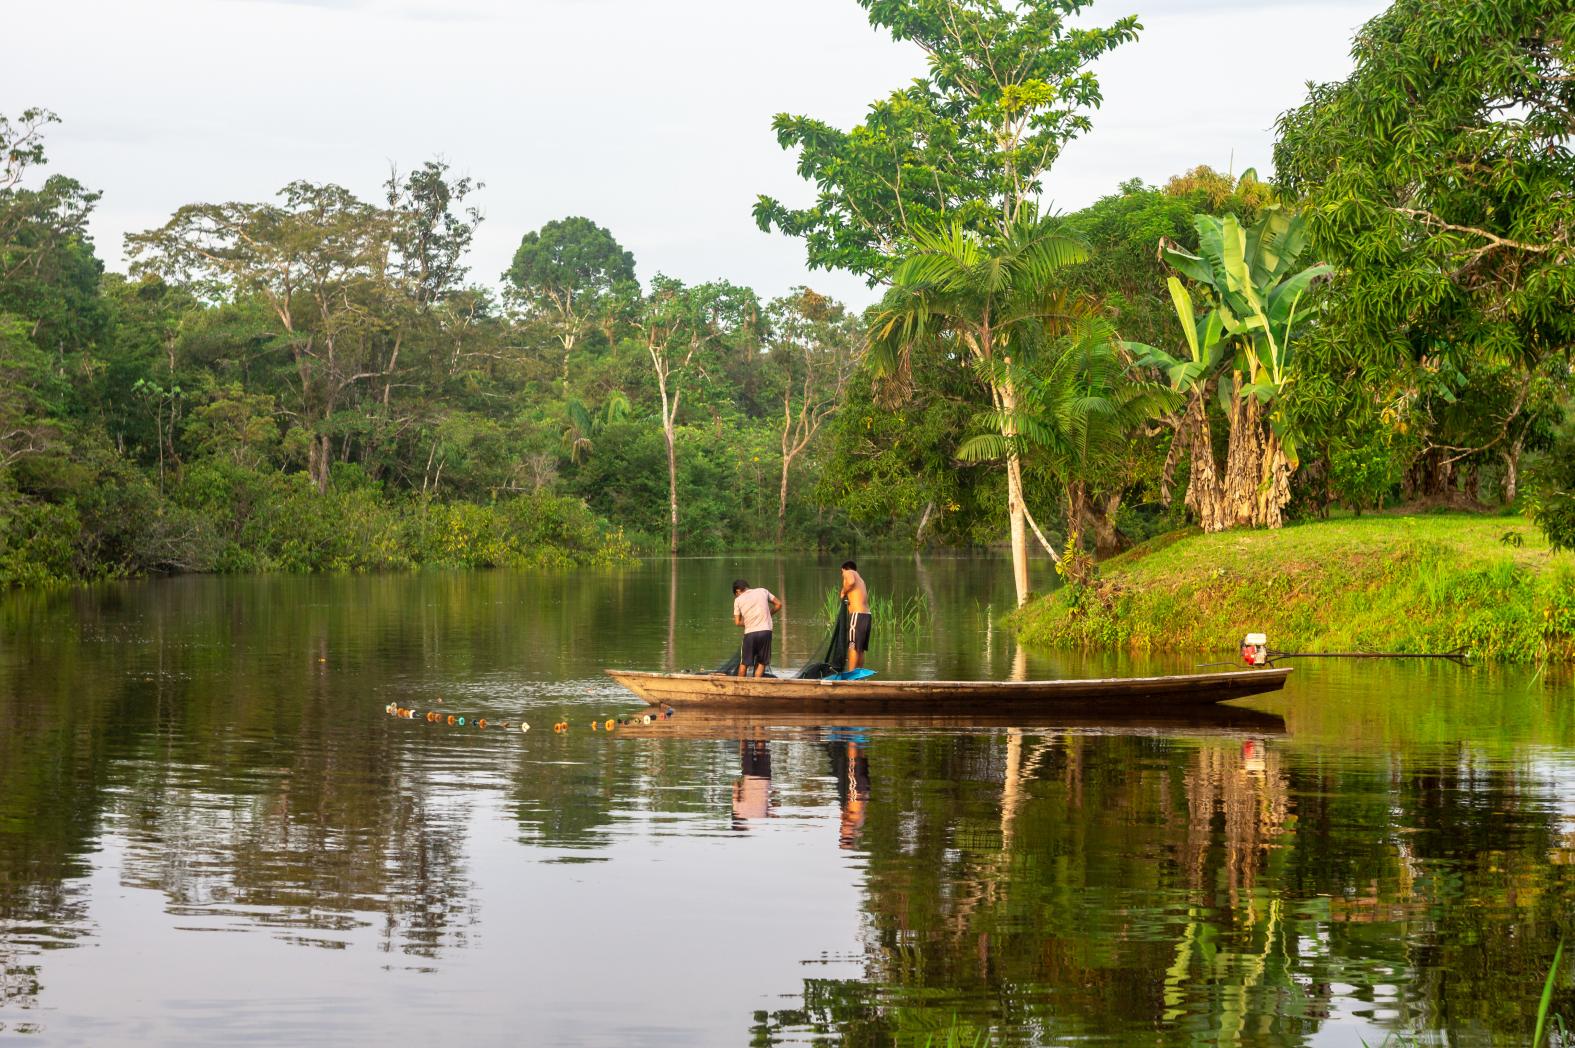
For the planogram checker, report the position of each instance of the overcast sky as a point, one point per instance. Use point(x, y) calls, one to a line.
point(652, 117)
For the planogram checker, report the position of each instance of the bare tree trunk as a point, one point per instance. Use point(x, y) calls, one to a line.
point(924, 522)
point(787, 462)
point(1014, 502)
point(568, 339)
point(1430, 476)
point(1014, 498)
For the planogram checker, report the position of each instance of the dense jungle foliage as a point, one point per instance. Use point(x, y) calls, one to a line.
point(318, 382)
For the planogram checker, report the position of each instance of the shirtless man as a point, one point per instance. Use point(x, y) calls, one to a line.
point(858, 598)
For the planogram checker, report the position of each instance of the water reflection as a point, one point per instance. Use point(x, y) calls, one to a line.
point(752, 791)
point(850, 766)
point(200, 772)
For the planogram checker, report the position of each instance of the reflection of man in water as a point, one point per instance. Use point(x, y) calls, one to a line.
point(752, 792)
point(851, 768)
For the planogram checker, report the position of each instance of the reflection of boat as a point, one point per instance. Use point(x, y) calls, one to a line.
point(1139, 695)
point(738, 724)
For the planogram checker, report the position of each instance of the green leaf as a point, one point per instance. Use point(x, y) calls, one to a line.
point(1182, 300)
point(1547, 996)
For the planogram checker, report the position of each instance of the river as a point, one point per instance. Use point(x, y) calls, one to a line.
point(212, 833)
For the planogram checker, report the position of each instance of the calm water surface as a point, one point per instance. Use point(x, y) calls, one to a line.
point(210, 833)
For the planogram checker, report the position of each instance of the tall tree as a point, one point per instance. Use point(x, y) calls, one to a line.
point(682, 330)
point(1437, 178)
point(994, 297)
point(1008, 87)
point(309, 258)
point(48, 271)
point(50, 309)
point(816, 346)
point(670, 330)
point(564, 272)
point(349, 284)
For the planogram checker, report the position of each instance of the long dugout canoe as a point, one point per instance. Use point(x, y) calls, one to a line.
point(1127, 694)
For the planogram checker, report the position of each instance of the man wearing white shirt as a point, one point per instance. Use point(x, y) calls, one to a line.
point(752, 609)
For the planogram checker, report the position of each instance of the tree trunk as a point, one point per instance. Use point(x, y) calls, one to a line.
point(1430, 476)
point(1014, 498)
point(787, 462)
point(568, 339)
point(1203, 484)
point(924, 522)
point(319, 455)
point(1512, 470)
point(1076, 512)
point(1101, 522)
point(1277, 486)
point(1014, 503)
point(1244, 459)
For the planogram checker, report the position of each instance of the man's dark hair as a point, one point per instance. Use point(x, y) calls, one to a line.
point(848, 565)
point(739, 585)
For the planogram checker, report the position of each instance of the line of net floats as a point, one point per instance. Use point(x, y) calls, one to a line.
point(457, 720)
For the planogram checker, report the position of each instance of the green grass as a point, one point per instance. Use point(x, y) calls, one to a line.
point(899, 616)
point(1488, 585)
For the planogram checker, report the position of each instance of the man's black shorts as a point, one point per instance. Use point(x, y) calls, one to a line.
point(757, 649)
point(859, 631)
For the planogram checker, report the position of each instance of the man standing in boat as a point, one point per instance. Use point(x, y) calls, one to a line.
point(858, 598)
point(752, 609)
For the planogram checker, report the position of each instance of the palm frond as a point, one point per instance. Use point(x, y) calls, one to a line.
point(985, 447)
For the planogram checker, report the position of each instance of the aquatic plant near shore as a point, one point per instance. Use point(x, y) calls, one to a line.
point(891, 616)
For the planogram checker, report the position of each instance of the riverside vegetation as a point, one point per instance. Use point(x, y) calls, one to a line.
point(1489, 586)
point(316, 383)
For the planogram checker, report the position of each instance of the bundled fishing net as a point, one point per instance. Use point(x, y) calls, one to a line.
point(831, 658)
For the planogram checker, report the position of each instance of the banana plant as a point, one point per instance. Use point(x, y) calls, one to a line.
point(1255, 290)
point(1244, 330)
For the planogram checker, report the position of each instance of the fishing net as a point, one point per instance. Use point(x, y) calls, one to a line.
point(829, 659)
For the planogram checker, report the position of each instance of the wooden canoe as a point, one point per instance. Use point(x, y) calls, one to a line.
point(712, 691)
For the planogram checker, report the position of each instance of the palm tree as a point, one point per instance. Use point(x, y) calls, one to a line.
point(1078, 405)
point(583, 427)
point(993, 297)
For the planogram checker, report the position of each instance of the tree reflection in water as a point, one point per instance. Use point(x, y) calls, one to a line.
point(1399, 860)
point(1074, 887)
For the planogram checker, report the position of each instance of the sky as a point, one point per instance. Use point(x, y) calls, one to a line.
point(651, 117)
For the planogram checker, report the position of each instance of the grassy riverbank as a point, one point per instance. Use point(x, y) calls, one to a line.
point(1489, 585)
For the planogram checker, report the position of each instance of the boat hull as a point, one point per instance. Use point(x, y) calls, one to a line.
point(1126, 694)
